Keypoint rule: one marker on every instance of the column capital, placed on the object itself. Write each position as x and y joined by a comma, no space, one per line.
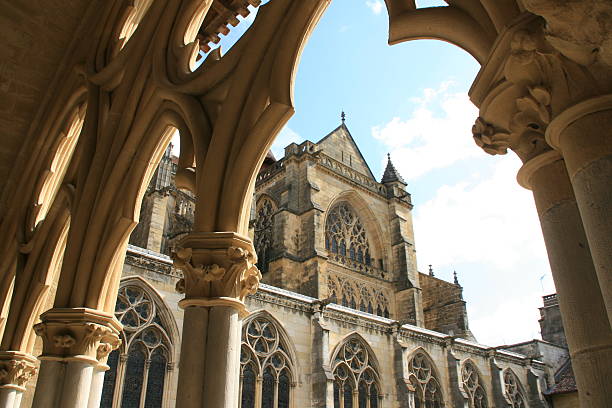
16,369
218,267
524,85
78,334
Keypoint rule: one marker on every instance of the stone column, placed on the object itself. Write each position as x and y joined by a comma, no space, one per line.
97,383
219,272
582,307
75,342
16,369
583,135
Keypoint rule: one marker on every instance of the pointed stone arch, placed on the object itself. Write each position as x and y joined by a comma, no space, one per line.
472,386
424,377
362,210
356,373
514,392
268,357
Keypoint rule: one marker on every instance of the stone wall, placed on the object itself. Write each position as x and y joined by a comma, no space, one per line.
443,307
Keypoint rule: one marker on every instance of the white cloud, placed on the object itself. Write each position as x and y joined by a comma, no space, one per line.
486,219
436,134
375,5
284,138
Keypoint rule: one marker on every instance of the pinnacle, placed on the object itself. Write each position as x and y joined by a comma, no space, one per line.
391,174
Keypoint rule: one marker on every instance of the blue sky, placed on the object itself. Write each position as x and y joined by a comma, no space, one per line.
411,100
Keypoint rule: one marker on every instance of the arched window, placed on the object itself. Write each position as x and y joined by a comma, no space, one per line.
427,390
345,235
138,377
264,224
513,390
356,380
472,385
266,369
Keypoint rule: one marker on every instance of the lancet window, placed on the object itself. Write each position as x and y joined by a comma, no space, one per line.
266,368
346,236
512,388
356,380
264,223
139,370
472,386
426,387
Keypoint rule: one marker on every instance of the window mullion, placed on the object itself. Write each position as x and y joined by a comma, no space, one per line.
145,380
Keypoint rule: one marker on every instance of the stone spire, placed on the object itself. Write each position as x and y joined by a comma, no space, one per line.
455,280
391,174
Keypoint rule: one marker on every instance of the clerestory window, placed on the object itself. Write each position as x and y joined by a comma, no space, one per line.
346,236
139,369
427,391
356,380
266,373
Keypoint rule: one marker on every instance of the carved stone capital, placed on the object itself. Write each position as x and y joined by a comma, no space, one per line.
217,265
16,369
523,86
78,334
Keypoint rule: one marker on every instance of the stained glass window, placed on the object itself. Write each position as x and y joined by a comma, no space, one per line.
132,384
156,379
109,380
263,226
427,391
343,231
264,348
354,374
148,348
513,390
472,385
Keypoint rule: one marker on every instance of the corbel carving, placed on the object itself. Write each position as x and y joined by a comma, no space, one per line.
490,139
16,369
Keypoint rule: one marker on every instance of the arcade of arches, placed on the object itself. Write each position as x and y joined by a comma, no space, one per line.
92,92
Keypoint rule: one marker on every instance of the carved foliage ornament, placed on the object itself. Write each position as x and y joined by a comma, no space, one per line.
89,340
16,372
238,280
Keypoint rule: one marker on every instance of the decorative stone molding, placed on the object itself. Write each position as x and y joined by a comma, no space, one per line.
216,266
16,369
78,334
524,84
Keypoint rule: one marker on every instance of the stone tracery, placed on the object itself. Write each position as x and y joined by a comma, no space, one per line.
264,224
358,295
472,386
266,368
139,375
427,389
345,235
356,380
513,391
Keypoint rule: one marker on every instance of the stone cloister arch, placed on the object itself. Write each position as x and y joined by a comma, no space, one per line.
543,92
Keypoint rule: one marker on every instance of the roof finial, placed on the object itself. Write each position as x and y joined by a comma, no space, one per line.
431,273
389,156
456,281
343,116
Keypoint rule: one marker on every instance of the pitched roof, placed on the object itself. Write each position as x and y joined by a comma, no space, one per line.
391,174
335,137
565,382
